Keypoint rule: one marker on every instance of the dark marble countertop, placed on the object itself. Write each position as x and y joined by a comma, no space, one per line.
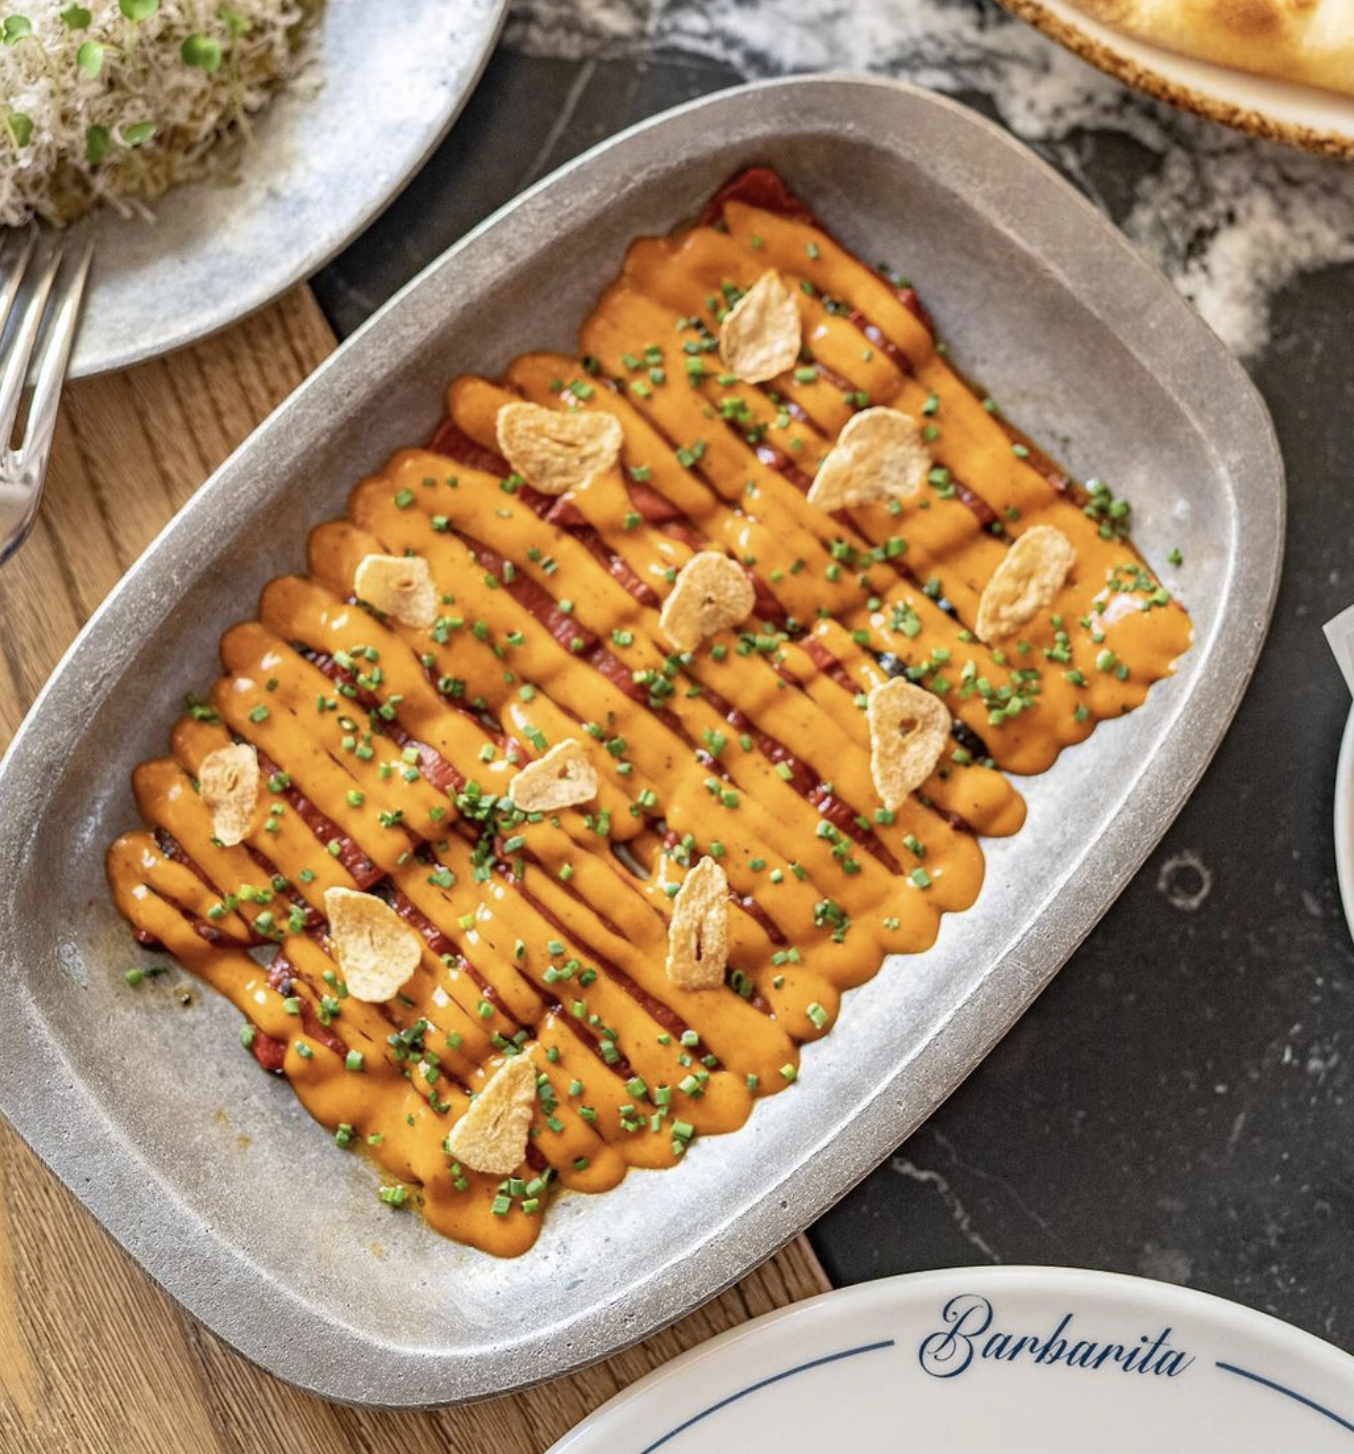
1178,1103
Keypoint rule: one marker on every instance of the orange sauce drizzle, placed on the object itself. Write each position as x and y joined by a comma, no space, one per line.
383,744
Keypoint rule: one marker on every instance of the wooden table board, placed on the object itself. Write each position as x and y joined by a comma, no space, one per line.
94,1357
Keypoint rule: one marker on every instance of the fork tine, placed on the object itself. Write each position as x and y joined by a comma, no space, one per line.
15,359
52,358
9,287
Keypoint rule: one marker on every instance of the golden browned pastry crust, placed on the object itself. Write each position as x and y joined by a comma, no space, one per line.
1310,42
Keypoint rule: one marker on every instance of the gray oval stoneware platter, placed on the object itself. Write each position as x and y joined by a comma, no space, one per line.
314,179
283,1249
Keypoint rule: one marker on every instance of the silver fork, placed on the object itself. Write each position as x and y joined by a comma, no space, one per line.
28,348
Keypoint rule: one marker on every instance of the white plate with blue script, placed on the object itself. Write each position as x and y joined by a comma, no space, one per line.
1026,1360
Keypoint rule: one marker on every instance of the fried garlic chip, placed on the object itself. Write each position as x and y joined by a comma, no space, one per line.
554,451
228,780
1025,583
492,1135
398,585
711,592
698,937
909,728
562,778
880,455
760,335
377,951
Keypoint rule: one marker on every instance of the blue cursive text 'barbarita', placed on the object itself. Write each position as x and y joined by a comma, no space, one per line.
969,1333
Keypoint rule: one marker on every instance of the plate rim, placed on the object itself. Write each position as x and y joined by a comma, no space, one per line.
974,1025
907,1288
1132,73
307,262
1342,809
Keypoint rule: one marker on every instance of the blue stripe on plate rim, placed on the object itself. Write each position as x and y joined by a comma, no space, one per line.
714,1408
765,1382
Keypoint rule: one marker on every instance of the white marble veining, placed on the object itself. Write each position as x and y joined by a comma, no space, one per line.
1229,219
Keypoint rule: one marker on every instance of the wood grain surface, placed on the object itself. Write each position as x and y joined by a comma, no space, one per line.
94,1357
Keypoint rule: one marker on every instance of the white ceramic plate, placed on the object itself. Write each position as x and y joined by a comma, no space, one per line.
1300,115
1344,821
1024,1360
333,149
